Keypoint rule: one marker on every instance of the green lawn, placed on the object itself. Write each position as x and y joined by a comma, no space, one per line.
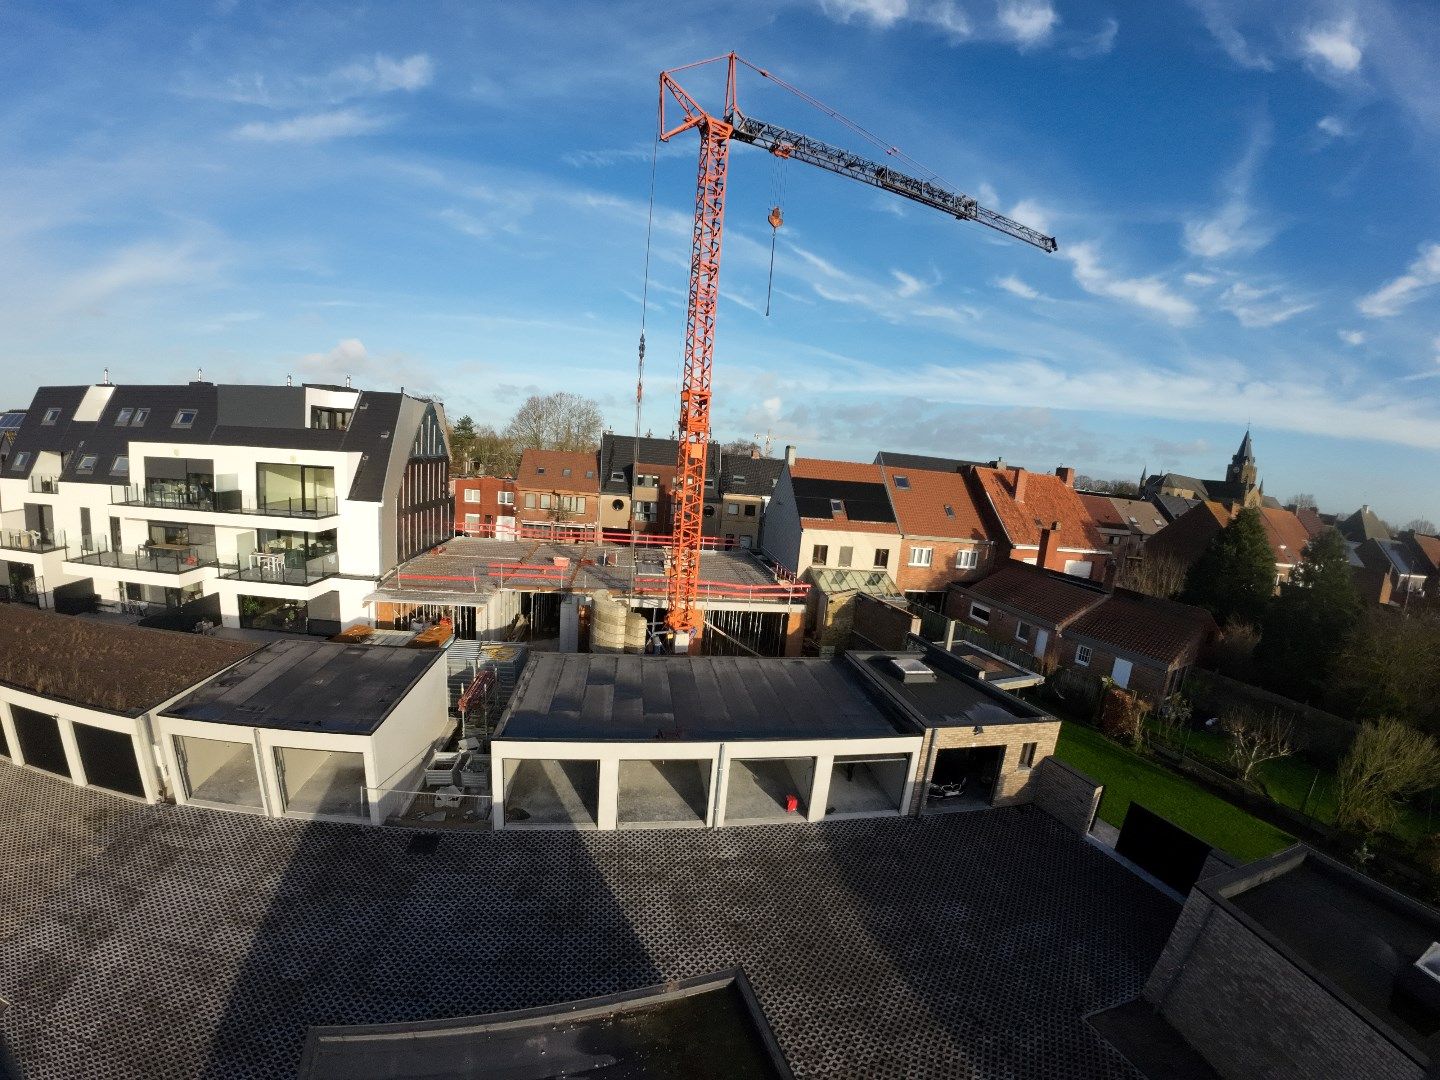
1130,778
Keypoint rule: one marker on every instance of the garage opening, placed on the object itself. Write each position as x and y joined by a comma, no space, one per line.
964,777
322,783
40,742
4,743
769,789
219,773
108,758
867,784
664,793
546,792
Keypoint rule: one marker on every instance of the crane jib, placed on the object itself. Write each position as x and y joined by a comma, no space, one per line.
789,144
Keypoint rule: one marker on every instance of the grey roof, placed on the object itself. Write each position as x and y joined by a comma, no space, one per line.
1363,525
954,698
1180,480
617,454
225,415
750,476
303,684
1401,558
892,460
589,698
1173,506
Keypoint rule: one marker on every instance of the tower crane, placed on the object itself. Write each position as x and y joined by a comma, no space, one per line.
716,133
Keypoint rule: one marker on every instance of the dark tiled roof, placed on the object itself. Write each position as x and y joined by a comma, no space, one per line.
860,502
1363,525
750,476
1310,518
617,454
1130,622
1048,597
1428,547
892,460
1172,506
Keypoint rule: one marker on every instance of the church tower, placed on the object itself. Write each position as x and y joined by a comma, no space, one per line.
1243,472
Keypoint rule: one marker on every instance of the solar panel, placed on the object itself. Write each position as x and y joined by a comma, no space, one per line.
11,420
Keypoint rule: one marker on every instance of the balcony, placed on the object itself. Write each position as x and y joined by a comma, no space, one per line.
44,485
283,568
35,541
151,558
224,502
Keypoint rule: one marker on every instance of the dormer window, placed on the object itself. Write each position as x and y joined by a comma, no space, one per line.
87,464
539,470
949,511
565,472
121,466
617,477
589,474
20,461
141,415
123,417
51,417
837,506
185,418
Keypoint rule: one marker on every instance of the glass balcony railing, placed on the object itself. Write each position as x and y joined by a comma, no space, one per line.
151,558
283,568
37,541
44,485
224,502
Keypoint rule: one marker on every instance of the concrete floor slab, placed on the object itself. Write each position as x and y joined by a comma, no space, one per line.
235,783
854,789
664,792
553,793
335,790
174,943
758,790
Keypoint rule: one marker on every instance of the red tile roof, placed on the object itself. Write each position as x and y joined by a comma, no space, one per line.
1310,518
1048,597
1104,512
1428,546
1186,537
555,462
1131,622
921,504
1287,534
824,469
1047,499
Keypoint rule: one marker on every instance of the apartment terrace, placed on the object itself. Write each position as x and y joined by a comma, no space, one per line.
155,558
276,569
35,541
225,502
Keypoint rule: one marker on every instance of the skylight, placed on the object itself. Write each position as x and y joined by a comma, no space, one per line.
837,506
949,510
902,482
123,417
87,464
184,418
50,417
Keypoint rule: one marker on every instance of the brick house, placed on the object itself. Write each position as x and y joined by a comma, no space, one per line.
558,488
485,506
637,484
747,484
1140,642
1392,571
1186,538
1040,519
944,537
831,513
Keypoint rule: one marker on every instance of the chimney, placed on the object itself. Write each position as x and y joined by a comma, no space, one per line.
789,455
1050,548
1018,483
1066,475
754,453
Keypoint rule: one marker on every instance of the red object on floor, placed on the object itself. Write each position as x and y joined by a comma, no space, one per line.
792,803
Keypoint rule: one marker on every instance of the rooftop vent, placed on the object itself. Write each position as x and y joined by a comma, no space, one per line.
910,670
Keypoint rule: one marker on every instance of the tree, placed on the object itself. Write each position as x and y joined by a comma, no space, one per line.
1387,762
1423,526
1390,667
740,448
1125,489
1302,502
559,421
493,453
1153,574
462,445
1310,622
1256,738
1234,578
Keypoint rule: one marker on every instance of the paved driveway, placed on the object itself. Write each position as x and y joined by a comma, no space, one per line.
158,942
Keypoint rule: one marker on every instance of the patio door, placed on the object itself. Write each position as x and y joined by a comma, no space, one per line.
1042,638
1121,673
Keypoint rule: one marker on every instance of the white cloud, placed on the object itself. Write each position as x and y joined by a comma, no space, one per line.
1333,126
1232,229
1026,22
1013,284
1352,337
909,284
1031,213
1149,293
313,127
1222,28
1260,308
374,75
1100,43
878,12
348,357
1404,290
382,74
1337,47
1200,281
137,267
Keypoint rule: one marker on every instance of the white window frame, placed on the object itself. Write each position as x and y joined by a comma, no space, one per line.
505,498
1023,631
980,613
967,559
180,420
1083,655
472,495
921,556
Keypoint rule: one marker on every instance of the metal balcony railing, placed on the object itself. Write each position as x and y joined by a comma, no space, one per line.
224,502
37,541
150,558
44,485
282,568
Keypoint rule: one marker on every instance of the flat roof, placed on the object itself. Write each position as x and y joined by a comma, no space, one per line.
954,697
107,666
304,684
683,1028
576,697
1354,932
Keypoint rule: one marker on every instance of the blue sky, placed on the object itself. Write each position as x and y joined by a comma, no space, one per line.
452,197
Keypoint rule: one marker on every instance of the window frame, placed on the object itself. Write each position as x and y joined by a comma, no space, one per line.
974,617
86,464
51,417
926,562
967,559
845,557
1023,631
505,498
472,495
181,422
1027,755
122,418
120,465
819,554
1089,655
19,462
141,415
882,559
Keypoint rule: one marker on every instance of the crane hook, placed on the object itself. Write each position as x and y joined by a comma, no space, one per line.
776,218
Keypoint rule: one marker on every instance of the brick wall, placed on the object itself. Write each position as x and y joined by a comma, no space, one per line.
881,625
1002,625
1014,784
1147,679
1252,1013
941,571
1066,794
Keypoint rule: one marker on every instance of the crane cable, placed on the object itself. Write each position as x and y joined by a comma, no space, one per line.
640,364
776,219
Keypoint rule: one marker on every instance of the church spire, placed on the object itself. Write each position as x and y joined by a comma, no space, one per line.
1246,452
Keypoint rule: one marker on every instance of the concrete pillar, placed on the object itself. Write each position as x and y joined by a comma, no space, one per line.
607,810
795,633
820,788
721,790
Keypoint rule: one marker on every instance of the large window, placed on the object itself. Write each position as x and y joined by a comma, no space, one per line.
882,558
40,742
109,759
921,556
295,488
505,498
819,554
330,419
472,495
967,559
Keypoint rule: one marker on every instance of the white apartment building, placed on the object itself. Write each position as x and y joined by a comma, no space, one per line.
275,507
